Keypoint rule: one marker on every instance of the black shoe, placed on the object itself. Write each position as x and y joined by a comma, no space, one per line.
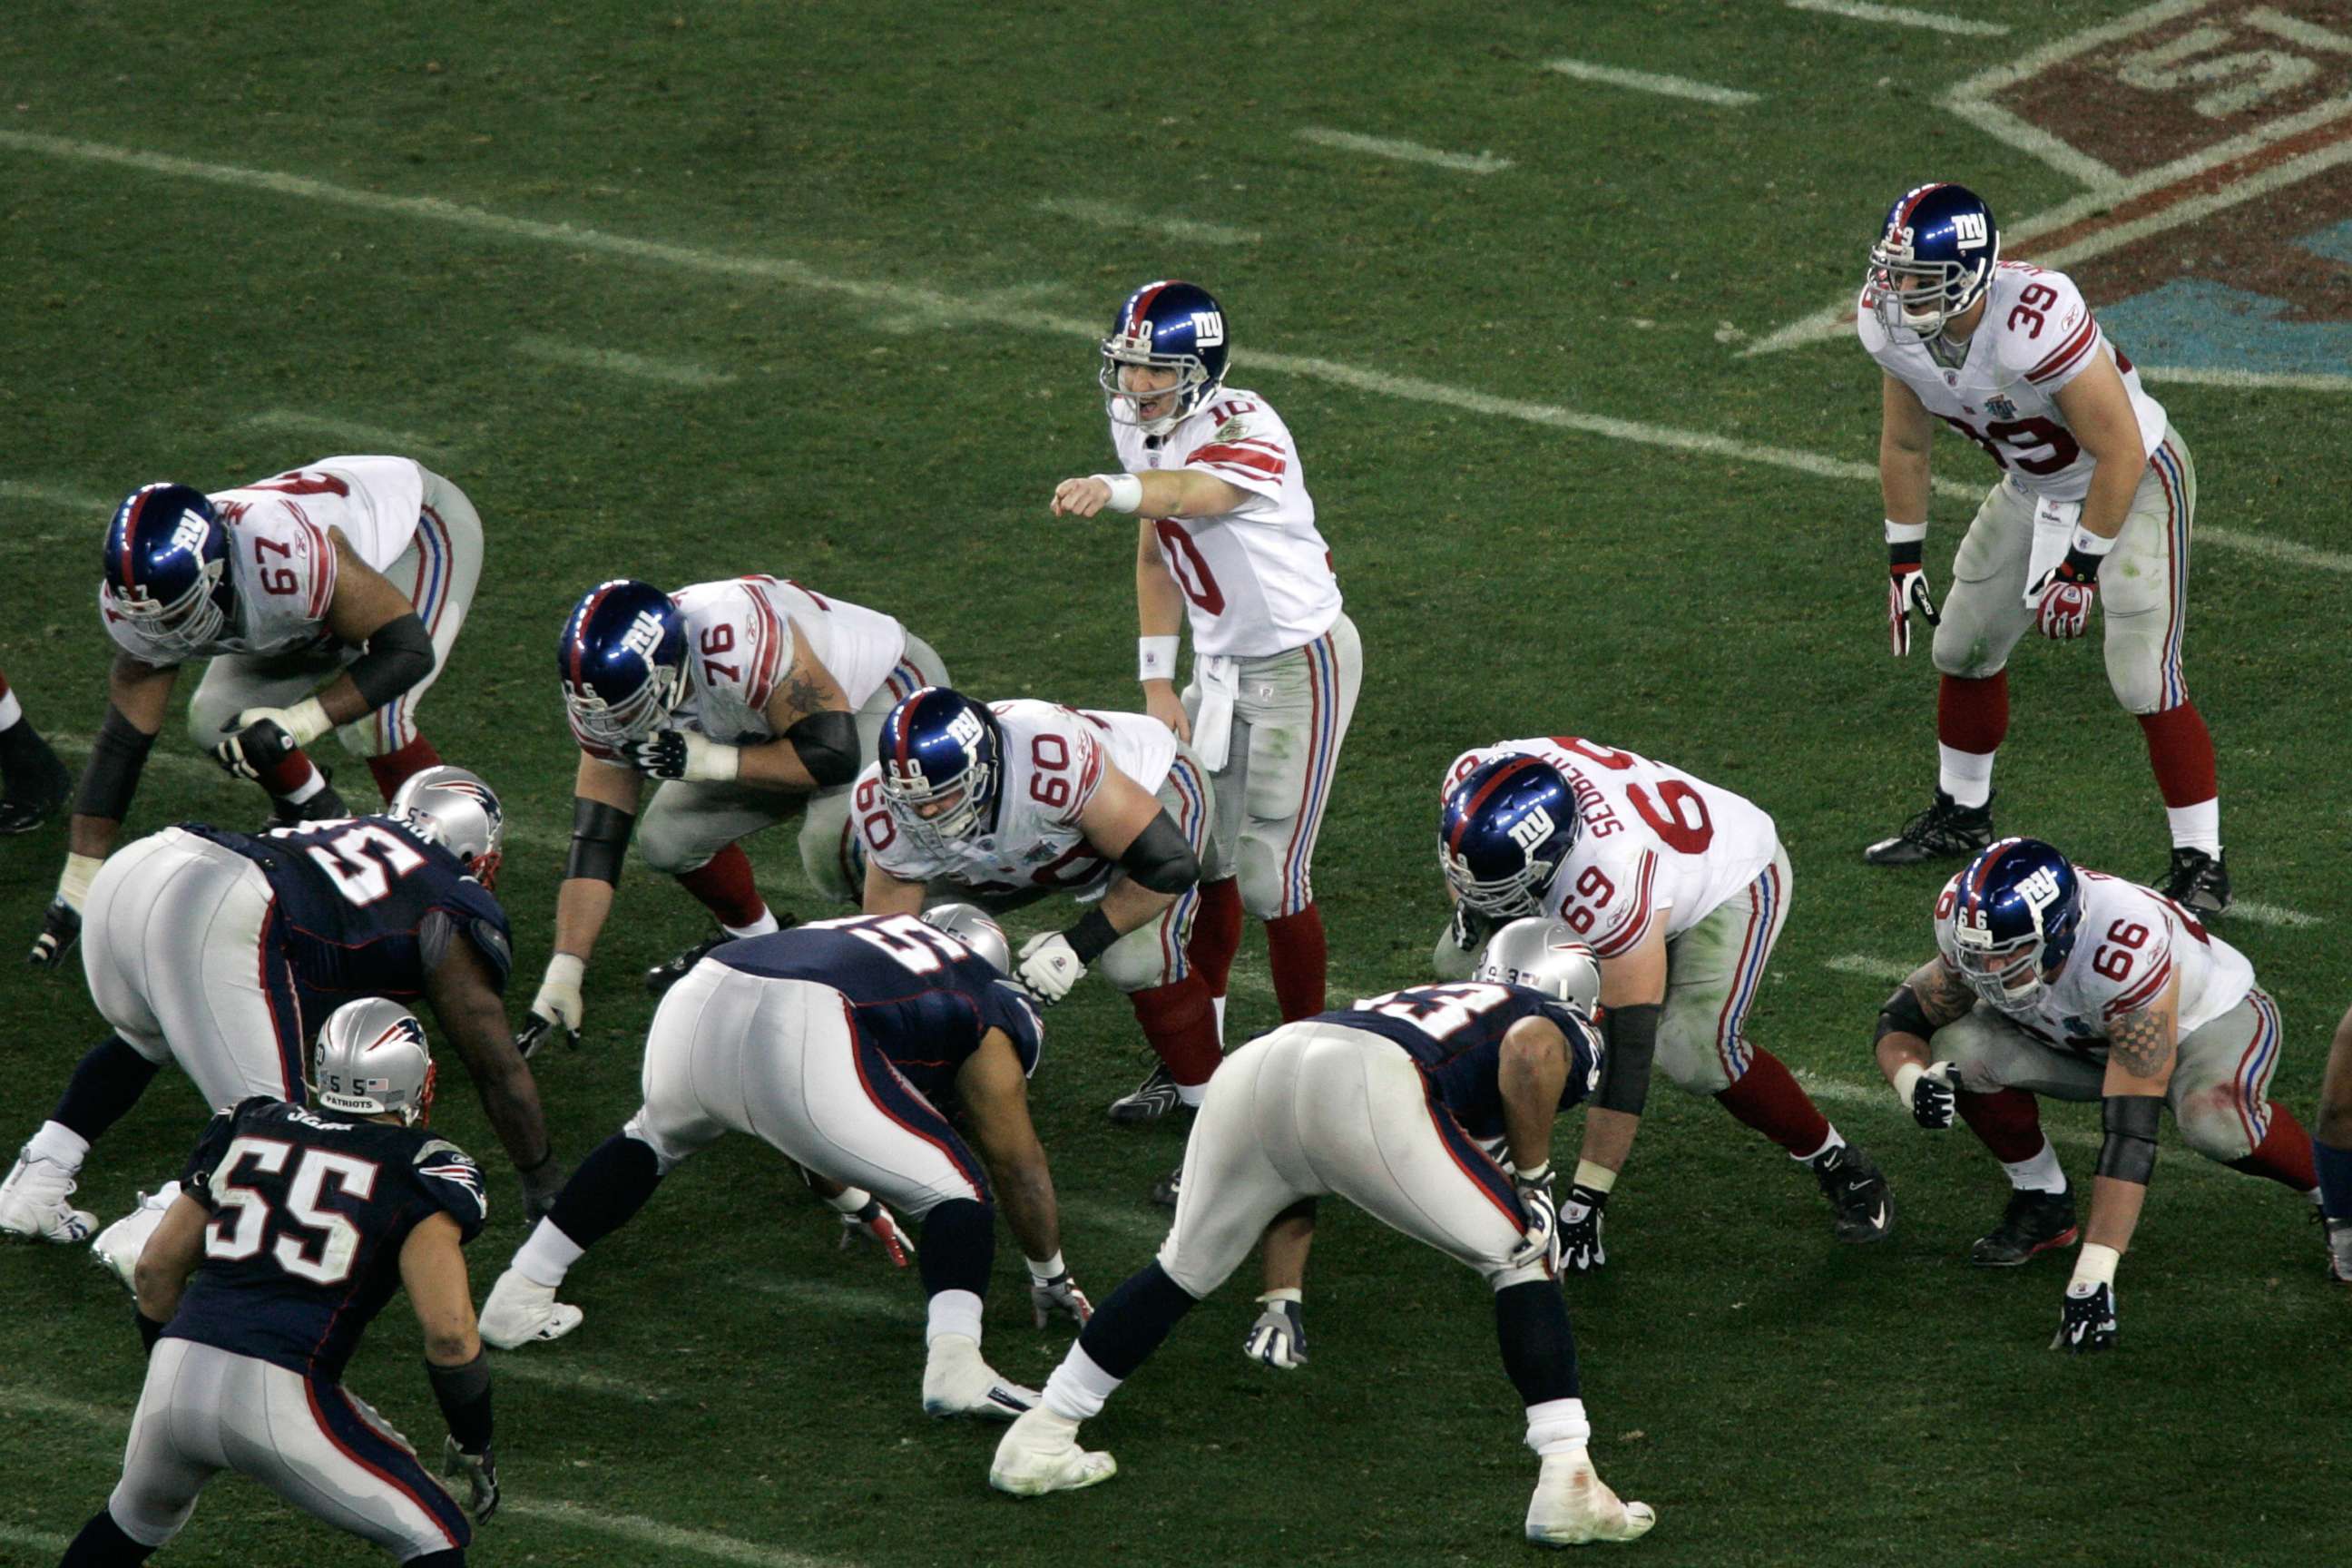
2035,1222
1154,1098
1945,831
324,806
2198,883
1165,1190
1856,1189
673,969
33,782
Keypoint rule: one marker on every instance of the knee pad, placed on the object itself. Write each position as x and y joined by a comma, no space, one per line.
2135,669
833,852
1964,652
1258,875
2212,1121
639,1128
1687,1055
1136,962
209,718
664,846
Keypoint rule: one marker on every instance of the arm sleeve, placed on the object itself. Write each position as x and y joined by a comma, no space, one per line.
1249,451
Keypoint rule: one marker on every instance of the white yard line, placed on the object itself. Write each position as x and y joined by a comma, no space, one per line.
882,1300
1110,214
1134,1217
1868,967
1903,17
1972,98
616,362
2270,915
580,1380
1654,81
2278,176
59,495
2296,30
1404,151
654,1533
354,435
2245,380
2271,549
32,1402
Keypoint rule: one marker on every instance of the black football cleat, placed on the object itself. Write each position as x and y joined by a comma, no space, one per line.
2198,883
673,969
2035,1222
1154,1098
1856,1189
1945,831
33,782
1165,1191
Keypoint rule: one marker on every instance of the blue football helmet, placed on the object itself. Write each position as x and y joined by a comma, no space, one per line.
1503,832
167,568
2016,912
1169,325
941,759
1935,259
621,661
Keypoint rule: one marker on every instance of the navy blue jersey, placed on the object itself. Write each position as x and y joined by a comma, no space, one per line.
309,1217
916,995
1455,1033
366,907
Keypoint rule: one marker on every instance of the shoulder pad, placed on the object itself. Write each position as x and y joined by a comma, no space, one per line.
452,1180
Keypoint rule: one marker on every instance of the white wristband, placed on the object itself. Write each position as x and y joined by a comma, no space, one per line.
1907,1079
1289,1293
2091,544
1155,658
1126,491
1600,1178
849,1200
565,969
1051,1269
1904,532
2095,1264
73,882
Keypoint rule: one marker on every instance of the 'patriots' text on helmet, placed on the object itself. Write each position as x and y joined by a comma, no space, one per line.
1546,956
1168,326
973,926
373,1061
167,569
621,661
2016,910
1503,832
454,808
941,758
1934,259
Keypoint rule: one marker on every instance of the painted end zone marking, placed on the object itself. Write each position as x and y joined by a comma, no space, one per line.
1651,81
359,438
614,362
1110,214
1404,151
1903,17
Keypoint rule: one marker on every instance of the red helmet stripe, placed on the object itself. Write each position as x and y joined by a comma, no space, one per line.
580,637
130,536
1142,309
1912,203
1502,776
907,732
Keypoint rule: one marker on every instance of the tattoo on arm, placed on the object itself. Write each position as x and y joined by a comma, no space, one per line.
1946,995
801,694
2142,1043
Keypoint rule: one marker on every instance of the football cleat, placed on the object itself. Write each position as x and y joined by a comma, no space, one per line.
118,1247
1040,1454
2339,1249
2035,1222
1856,1189
2198,883
1154,1098
33,782
521,1312
33,1204
1574,1507
1947,830
673,969
1169,1189
957,1382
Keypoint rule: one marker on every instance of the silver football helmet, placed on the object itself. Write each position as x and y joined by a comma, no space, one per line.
455,809
1546,955
373,1061
973,926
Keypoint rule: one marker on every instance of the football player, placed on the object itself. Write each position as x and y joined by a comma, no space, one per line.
210,948
354,571
839,1043
2051,979
1228,541
33,782
2332,1149
292,1230
1682,888
1382,1104
745,701
2095,504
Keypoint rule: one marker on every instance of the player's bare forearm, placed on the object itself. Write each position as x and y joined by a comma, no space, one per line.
1158,600
2114,1212
1025,1191
1943,997
1186,492
1609,1137
886,895
170,1255
2335,1124
1131,906
141,693
432,1272
773,764
2113,484
1531,1072
2098,411
1905,439
1287,1242
475,1021
582,907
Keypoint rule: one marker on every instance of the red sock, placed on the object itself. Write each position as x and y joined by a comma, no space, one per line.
2008,1121
2284,1154
1769,1100
726,889
392,768
290,774
1972,716
2180,753
1295,952
1181,1024
1217,934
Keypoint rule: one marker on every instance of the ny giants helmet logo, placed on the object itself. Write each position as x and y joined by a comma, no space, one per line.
965,730
1532,830
1208,327
1970,228
190,533
644,635
2040,890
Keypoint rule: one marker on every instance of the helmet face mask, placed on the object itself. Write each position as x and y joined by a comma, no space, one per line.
939,767
621,660
1169,329
166,570
1933,262
373,1059
1502,833
454,808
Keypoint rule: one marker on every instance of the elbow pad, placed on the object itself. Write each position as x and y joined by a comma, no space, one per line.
399,655
600,835
465,1396
110,777
826,744
1902,1013
1161,859
2128,1154
1633,1036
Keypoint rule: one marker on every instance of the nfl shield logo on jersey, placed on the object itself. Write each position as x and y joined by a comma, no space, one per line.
2000,408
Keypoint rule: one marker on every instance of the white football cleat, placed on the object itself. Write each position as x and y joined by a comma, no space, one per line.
520,1310
33,1202
956,1382
1574,1507
118,1247
1040,1454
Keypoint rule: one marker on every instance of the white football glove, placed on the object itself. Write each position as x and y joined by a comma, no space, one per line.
1278,1338
558,1005
1049,967
1052,1291
1541,1241
261,738
864,1214
303,723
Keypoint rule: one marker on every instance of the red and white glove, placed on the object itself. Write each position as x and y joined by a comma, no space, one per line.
1907,584
2062,597
863,1215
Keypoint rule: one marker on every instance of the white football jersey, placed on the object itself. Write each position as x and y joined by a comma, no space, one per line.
739,645
1053,764
2132,942
1256,581
281,567
1654,838
2037,335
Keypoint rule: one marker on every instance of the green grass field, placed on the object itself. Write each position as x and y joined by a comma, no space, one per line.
238,239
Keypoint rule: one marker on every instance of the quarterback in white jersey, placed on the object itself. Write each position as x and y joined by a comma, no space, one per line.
2050,979
354,571
2012,357
1228,542
1681,887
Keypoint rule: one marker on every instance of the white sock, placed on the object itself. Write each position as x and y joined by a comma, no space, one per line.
546,1255
1216,1002
761,927
309,786
2042,1174
953,1312
58,1142
1191,1094
2195,827
1078,1388
1966,776
12,711
1557,1426
1834,1140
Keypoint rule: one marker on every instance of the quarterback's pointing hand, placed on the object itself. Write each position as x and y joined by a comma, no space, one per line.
1080,498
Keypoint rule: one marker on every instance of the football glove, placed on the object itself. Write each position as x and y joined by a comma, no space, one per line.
1049,967
1906,591
557,1007
1539,1243
2062,597
540,1184
687,756
1933,1102
262,738
62,923
863,1215
1579,1228
2087,1322
1278,1338
480,1472
1057,1294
